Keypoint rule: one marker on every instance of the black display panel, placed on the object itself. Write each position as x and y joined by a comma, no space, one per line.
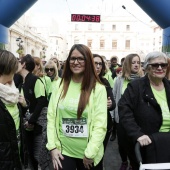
85,18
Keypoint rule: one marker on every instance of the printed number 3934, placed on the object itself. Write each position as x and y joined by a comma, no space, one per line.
74,129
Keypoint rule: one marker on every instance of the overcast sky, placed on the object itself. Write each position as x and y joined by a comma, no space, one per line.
67,7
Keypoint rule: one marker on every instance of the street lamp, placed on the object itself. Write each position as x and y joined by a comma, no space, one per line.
43,51
20,46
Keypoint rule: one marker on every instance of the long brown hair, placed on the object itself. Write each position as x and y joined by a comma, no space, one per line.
168,69
103,65
89,79
38,62
126,71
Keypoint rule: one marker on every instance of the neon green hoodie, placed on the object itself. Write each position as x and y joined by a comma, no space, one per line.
96,123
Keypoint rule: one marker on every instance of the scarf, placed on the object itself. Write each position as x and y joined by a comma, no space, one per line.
133,76
9,94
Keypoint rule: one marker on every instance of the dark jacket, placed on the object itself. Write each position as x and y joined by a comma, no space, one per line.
109,94
112,69
9,153
17,80
35,104
139,111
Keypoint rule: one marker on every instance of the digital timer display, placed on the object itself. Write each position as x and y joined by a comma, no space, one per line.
85,18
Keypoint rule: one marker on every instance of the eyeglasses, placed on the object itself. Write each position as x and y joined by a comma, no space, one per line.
156,65
79,60
96,64
49,69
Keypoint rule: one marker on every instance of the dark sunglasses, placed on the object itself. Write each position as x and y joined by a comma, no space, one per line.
49,69
156,65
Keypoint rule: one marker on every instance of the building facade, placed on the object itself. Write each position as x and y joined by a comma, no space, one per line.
24,39
115,35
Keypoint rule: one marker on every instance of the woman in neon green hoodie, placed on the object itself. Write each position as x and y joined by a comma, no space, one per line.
77,114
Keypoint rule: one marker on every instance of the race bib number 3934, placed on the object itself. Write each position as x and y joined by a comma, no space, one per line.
73,127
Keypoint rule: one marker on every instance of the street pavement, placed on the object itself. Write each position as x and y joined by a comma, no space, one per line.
112,158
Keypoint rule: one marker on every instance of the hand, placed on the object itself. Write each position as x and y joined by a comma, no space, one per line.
28,126
22,101
55,155
88,163
144,140
109,102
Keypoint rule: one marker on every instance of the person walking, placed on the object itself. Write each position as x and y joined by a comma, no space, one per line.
77,114
145,105
168,69
11,128
44,158
51,71
100,69
131,71
33,90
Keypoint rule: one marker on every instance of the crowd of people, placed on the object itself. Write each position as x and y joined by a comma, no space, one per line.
61,116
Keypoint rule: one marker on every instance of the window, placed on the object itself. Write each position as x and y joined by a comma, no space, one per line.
32,52
56,42
90,27
102,44
102,26
154,30
113,27
127,27
160,40
76,27
76,41
89,43
154,41
127,44
114,44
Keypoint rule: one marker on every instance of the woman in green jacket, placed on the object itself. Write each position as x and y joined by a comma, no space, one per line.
77,114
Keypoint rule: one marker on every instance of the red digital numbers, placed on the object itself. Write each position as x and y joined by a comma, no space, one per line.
85,18
98,18
88,18
93,19
73,17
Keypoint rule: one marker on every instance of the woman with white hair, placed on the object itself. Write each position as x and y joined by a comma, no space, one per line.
51,71
144,108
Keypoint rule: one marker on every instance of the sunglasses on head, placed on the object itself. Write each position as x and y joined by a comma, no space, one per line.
49,69
156,65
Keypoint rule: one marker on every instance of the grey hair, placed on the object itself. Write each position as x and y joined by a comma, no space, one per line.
152,55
